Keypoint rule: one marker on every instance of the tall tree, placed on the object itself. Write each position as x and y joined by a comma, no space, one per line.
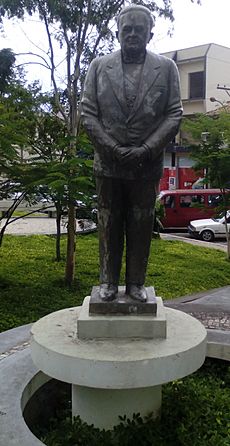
7,60
211,151
18,106
82,28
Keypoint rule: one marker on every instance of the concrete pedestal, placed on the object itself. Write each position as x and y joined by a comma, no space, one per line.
96,326
102,407
111,377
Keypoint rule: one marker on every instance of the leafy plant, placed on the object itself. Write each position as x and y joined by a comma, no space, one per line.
212,154
195,412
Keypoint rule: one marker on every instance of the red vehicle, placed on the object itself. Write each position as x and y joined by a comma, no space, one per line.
183,205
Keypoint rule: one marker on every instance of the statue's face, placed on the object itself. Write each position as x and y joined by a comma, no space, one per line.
134,32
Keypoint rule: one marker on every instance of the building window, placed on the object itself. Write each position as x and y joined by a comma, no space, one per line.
196,85
167,160
185,161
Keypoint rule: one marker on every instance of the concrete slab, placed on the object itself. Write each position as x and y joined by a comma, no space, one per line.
16,337
42,226
15,372
216,300
132,325
218,345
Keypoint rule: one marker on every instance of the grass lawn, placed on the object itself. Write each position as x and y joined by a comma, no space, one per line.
32,283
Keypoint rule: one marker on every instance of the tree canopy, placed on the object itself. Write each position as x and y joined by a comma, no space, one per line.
211,146
82,29
7,60
211,151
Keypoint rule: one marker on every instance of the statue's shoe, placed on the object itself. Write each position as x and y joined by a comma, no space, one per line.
137,292
108,292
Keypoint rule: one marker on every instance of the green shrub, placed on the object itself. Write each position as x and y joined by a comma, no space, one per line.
195,412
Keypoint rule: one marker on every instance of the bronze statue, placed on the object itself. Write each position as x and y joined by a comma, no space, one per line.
131,110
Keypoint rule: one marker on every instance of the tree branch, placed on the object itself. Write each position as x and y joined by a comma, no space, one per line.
30,53
53,67
32,63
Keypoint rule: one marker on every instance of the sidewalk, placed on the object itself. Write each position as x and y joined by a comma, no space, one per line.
41,226
220,246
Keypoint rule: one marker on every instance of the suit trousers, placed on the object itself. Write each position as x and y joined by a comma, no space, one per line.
125,211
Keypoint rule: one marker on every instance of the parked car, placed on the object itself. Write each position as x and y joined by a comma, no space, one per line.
183,205
210,228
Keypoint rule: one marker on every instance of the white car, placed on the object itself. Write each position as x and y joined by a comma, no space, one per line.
210,228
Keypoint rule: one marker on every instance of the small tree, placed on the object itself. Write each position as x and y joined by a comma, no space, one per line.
213,154
17,107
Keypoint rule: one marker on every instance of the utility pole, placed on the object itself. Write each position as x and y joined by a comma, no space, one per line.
223,87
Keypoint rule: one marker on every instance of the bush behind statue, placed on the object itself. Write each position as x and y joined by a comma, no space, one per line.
195,412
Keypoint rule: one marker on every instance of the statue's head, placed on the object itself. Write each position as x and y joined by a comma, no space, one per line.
134,28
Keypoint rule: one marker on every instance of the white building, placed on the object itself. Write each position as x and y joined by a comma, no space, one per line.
204,73
203,70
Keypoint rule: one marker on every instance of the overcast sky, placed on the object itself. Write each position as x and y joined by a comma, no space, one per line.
194,25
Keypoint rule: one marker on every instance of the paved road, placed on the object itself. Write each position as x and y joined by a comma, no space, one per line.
38,225
220,244
33,225
221,241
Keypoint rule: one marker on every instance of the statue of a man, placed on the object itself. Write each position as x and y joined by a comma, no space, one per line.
131,110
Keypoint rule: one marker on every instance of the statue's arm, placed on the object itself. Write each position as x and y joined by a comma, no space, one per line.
90,112
169,127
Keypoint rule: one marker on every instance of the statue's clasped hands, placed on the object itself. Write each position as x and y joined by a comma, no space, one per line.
131,156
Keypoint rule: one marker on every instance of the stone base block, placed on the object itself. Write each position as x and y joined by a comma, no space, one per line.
98,326
123,304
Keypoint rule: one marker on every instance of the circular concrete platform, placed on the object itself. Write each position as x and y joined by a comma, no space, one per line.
115,376
117,363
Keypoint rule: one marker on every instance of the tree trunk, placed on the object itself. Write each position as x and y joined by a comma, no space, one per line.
71,245
225,201
9,214
228,246
58,225
2,232
227,237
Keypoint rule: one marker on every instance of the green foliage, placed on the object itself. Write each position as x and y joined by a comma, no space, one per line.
195,412
83,26
213,153
49,172
16,111
32,285
7,60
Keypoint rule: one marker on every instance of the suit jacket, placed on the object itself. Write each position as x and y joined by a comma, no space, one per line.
154,119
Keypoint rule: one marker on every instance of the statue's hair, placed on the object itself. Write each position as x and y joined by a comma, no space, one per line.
136,8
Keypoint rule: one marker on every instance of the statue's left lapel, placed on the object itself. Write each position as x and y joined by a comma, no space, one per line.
150,73
114,72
